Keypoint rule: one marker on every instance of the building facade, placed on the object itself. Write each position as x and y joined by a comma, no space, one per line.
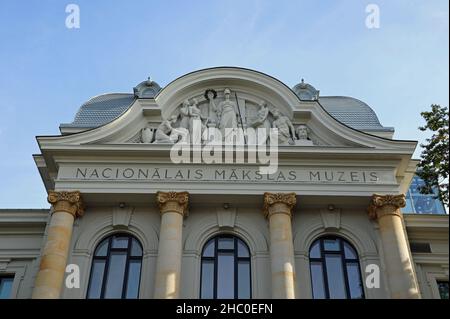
132,218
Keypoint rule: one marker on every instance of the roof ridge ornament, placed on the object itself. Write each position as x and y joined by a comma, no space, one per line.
147,89
305,91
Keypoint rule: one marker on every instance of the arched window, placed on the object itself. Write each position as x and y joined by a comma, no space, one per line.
116,268
335,271
225,272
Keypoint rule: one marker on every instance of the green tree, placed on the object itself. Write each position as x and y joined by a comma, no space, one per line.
434,166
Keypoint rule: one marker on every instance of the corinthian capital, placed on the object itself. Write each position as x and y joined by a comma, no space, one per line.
173,202
69,202
281,203
381,205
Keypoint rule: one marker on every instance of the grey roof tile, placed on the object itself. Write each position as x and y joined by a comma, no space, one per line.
352,112
105,108
101,109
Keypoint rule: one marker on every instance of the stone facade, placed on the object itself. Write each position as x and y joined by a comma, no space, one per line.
331,180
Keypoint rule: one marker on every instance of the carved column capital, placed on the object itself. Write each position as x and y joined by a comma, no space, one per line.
381,205
69,202
279,203
173,202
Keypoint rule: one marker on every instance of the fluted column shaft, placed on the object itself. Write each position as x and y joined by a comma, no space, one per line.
66,206
173,207
277,208
399,266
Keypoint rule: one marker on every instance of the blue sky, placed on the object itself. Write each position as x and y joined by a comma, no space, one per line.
47,71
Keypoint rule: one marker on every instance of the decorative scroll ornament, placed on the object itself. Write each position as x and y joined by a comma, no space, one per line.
381,205
271,199
173,202
69,202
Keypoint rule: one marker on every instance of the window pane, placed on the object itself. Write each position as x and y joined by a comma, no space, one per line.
225,275
116,273
102,249
207,279
354,282
208,251
120,242
136,250
315,250
134,273
244,280
95,286
443,289
317,280
5,287
335,276
331,244
350,253
226,243
242,249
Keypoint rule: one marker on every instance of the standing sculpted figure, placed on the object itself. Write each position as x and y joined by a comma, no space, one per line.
262,121
226,112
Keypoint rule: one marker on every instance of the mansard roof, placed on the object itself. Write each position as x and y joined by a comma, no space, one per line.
104,108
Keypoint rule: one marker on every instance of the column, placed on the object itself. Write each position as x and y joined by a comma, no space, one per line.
278,210
399,268
66,206
173,207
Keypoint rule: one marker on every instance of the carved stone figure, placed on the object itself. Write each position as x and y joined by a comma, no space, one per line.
302,134
184,114
146,135
286,130
163,131
226,113
167,134
262,121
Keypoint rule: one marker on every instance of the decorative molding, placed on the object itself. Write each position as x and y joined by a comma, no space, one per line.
173,202
4,263
69,202
331,219
226,218
382,205
121,216
287,201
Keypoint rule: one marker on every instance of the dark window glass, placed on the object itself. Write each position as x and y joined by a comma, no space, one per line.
350,253
226,243
120,242
335,276
225,269
208,251
331,244
242,249
419,203
243,279
315,250
335,270
207,279
354,284
443,289
6,283
95,286
102,249
317,280
116,274
134,274
116,268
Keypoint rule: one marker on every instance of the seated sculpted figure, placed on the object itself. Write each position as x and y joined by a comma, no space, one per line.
286,131
167,134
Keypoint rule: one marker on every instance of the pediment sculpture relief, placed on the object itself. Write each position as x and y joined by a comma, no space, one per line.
225,111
